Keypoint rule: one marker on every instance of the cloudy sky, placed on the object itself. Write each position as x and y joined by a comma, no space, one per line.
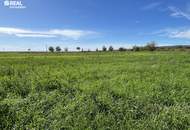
93,23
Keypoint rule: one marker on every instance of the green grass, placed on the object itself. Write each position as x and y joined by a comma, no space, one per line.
95,91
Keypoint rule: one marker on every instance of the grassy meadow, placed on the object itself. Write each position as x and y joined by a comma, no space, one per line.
95,91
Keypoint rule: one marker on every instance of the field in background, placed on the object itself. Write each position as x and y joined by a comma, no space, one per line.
97,90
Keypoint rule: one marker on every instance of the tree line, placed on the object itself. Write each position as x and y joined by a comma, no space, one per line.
151,46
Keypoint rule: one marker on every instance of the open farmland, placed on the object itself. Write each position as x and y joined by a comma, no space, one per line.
95,90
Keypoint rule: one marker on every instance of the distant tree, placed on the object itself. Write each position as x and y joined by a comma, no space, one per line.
29,49
136,48
97,49
151,46
104,48
89,50
51,49
82,50
58,49
66,49
122,49
111,48
78,48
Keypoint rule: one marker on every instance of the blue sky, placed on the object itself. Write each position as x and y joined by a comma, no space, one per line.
91,24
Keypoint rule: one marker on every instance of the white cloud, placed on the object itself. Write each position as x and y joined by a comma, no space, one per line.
68,33
185,34
175,12
180,33
12,31
151,6
35,35
75,34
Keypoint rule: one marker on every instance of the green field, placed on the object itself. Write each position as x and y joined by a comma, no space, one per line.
95,91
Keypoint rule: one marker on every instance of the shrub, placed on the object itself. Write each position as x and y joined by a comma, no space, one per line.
66,50
151,46
58,49
78,48
111,48
51,49
104,48
122,49
136,48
